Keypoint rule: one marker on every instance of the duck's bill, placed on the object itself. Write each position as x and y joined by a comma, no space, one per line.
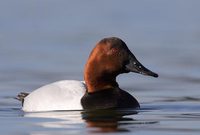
135,66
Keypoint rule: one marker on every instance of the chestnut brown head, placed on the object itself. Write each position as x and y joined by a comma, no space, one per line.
109,58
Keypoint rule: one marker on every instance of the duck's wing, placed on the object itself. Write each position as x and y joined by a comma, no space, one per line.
62,95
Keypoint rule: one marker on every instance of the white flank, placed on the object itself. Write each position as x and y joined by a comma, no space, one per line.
61,95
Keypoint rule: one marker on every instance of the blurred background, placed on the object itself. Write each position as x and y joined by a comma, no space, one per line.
42,41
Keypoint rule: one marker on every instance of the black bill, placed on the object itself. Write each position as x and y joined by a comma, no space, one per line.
135,66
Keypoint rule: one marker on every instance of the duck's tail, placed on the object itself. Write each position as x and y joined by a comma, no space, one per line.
21,96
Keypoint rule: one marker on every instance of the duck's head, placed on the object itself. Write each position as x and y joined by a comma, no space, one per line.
109,58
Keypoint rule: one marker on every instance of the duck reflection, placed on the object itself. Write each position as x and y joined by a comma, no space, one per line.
108,120
97,121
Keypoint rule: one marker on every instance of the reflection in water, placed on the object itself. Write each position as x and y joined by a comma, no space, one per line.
96,121
160,119
107,120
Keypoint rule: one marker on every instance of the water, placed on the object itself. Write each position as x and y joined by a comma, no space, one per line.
46,41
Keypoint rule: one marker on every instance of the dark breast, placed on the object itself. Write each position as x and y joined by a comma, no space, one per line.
109,98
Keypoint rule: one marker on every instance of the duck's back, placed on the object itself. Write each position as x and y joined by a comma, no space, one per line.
62,95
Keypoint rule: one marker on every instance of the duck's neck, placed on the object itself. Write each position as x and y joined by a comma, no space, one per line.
97,79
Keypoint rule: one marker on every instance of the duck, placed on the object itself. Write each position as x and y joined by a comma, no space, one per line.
99,90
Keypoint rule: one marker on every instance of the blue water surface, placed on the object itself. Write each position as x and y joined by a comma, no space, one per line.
45,41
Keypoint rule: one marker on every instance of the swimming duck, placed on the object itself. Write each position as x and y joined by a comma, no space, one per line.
109,58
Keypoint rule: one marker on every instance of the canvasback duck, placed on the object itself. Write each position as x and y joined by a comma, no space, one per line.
108,59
